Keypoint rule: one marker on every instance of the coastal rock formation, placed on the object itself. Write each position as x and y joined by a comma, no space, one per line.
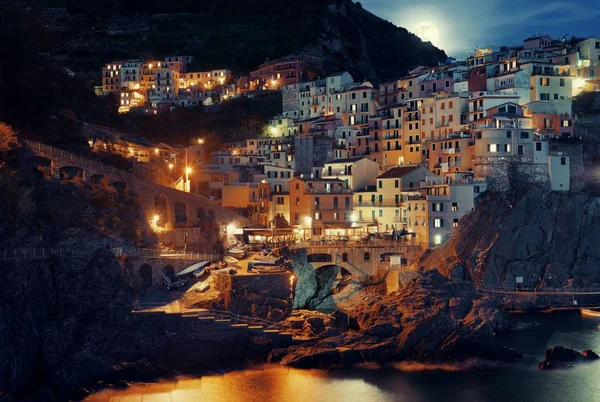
66,324
546,239
560,357
430,319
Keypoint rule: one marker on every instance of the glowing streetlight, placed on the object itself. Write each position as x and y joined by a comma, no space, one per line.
188,170
155,219
308,220
156,151
171,166
200,141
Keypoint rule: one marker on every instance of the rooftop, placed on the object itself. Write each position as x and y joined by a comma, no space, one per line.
398,172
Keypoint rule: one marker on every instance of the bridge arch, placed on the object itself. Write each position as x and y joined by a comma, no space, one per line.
345,269
98,179
71,173
169,270
145,272
120,185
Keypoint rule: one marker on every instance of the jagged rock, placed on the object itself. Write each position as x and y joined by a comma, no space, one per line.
560,357
429,319
275,314
543,239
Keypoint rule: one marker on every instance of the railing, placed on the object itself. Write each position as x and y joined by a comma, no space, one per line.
32,253
80,161
175,255
352,244
527,290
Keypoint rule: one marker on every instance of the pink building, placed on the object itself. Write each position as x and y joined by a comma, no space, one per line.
272,75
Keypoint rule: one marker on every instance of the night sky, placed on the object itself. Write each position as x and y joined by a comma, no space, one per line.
465,24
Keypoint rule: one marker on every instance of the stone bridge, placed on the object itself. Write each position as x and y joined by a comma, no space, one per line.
147,265
175,208
360,259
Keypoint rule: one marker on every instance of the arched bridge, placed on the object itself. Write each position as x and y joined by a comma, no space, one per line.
175,208
361,259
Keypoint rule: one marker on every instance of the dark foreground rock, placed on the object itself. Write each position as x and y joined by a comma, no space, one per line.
67,328
560,357
431,319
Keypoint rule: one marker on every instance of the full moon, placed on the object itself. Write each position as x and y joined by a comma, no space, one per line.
427,31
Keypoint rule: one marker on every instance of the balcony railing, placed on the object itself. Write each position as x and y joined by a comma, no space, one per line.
454,150
328,191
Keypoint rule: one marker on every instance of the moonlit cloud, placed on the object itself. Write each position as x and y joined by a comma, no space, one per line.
464,24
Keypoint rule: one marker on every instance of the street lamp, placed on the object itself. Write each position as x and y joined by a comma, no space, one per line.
188,170
200,141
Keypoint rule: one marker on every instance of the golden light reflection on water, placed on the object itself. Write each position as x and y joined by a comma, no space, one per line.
271,383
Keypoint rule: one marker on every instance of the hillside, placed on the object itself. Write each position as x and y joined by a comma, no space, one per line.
549,239
238,34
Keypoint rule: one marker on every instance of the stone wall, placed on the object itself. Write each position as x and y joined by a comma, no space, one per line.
267,296
194,239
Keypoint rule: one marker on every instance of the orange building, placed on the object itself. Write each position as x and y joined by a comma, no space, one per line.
321,207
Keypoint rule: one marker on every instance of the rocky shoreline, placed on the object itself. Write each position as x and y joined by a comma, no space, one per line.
431,319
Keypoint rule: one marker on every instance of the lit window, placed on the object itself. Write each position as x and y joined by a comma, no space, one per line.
438,223
455,222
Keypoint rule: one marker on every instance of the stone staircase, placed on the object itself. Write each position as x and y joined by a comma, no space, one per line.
214,319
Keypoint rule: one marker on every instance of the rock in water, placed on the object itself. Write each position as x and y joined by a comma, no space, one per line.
431,319
560,357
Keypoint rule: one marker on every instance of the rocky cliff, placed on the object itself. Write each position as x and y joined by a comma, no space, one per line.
430,319
66,327
548,239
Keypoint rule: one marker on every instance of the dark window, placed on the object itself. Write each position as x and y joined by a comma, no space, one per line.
563,161
367,257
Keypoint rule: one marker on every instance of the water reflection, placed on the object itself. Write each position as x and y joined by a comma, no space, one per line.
405,382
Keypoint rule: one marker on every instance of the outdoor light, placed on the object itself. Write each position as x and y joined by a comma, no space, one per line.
353,218
188,170
200,141
156,151
155,219
171,166
308,220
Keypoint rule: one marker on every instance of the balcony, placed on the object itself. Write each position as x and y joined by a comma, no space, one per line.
328,191
384,204
452,150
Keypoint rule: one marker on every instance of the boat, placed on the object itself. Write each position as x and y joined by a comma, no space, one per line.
199,272
170,284
268,269
202,287
589,312
265,258
237,252
230,260
192,268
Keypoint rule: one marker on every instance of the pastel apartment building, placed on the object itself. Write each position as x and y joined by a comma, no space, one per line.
274,74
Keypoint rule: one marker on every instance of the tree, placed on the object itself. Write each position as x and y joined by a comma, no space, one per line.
8,138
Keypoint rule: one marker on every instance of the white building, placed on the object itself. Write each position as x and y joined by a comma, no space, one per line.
357,172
